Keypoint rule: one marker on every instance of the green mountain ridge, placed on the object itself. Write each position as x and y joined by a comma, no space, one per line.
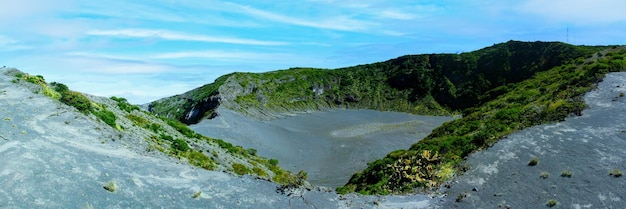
498,89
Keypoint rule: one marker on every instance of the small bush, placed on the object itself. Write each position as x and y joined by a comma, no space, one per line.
76,100
566,173
155,127
107,117
240,169
199,159
111,187
533,161
180,145
123,104
59,87
552,203
137,120
259,172
197,194
544,175
273,162
615,173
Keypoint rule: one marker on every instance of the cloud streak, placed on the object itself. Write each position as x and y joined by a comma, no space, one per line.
175,36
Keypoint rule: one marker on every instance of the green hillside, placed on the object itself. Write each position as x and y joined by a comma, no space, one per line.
498,90
427,84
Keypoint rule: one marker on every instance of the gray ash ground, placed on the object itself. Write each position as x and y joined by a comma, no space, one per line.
588,146
330,145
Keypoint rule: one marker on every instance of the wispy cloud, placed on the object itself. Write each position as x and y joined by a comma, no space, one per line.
175,36
341,22
577,11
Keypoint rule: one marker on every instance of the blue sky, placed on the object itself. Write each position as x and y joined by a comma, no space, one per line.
147,49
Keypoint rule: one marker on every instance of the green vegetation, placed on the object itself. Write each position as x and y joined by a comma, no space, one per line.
566,173
179,145
615,173
552,203
547,96
123,104
76,100
106,116
110,186
240,169
199,159
544,175
533,161
138,121
196,194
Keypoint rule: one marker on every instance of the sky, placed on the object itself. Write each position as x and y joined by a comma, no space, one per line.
144,50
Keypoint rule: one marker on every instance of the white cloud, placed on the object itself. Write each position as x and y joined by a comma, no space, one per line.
5,40
394,14
344,22
170,35
577,11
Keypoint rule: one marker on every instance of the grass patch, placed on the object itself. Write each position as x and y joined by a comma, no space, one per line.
137,120
240,169
616,173
566,173
552,203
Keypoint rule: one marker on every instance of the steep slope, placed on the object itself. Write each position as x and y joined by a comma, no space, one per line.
546,97
428,84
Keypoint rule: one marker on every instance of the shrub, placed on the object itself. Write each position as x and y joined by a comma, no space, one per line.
76,100
201,160
179,145
155,127
110,186
197,194
615,173
273,162
240,169
59,87
552,203
123,104
107,117
533,161
259,172
137,120
566,173
544,175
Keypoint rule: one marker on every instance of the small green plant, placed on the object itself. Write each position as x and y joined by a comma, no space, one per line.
110,186
615,173
197,194
179,145
566,173
76,100
544,175
106,116
533,161
240,169
552,203
461,196
621,94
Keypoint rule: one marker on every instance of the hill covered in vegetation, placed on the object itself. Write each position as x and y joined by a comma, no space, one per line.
498,90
